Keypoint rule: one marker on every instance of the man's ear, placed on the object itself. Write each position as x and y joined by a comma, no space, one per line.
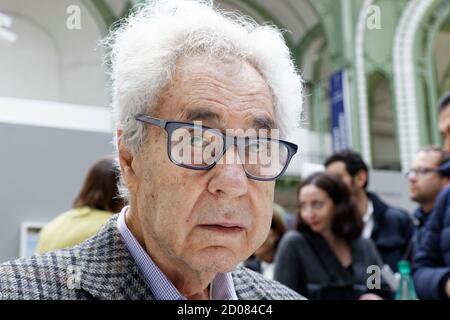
446,181
126,164
360,179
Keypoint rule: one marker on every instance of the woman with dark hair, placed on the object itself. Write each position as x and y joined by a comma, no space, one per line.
97,200
326,258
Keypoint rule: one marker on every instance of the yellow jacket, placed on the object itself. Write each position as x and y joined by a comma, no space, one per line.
71,228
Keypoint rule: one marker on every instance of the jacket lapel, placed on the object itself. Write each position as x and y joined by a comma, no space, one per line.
379,209
108,271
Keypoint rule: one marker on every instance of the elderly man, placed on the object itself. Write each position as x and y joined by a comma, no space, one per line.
425,183
199,97
431,268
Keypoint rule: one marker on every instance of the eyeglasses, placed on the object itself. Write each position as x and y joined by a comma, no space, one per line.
197,147
420,172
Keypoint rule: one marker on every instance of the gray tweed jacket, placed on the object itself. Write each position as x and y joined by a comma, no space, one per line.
102,268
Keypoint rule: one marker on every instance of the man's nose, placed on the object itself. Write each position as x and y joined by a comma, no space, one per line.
229,178
412,177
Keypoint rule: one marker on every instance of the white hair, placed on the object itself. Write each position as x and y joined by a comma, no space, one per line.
145,47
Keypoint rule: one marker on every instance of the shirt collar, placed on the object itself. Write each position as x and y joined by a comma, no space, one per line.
221,288
369,212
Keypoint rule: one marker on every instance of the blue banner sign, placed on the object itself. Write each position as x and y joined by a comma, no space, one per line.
338,116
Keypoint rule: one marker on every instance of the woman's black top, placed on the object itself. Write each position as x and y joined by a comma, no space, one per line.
306,263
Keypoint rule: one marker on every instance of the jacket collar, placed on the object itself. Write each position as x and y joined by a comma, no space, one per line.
379,209
420,217
108,270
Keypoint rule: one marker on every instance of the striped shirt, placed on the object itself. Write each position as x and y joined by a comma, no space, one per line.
221,288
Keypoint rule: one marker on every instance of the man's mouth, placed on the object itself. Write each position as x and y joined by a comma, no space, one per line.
225,227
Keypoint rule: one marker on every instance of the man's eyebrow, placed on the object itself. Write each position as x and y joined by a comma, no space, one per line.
206,114
202,114
263,122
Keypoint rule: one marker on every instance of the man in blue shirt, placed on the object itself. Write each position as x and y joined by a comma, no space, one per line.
425,183
431,267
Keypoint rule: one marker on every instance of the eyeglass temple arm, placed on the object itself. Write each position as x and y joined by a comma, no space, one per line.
151,120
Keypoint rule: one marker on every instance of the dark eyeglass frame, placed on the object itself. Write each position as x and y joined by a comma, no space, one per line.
169,126
421,172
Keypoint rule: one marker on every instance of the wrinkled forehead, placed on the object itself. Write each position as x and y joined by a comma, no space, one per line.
223,93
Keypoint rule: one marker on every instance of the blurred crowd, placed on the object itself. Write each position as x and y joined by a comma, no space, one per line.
343,230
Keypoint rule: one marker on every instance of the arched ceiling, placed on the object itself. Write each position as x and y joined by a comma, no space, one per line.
42,33
296,16
78,49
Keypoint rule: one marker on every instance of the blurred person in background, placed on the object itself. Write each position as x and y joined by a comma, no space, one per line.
444,120
326,257
262,260
390,228
289,218
95,204
431,267
425,183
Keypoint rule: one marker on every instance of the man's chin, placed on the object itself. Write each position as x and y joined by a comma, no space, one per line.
216,260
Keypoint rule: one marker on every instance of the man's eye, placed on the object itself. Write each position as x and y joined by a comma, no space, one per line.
198,142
